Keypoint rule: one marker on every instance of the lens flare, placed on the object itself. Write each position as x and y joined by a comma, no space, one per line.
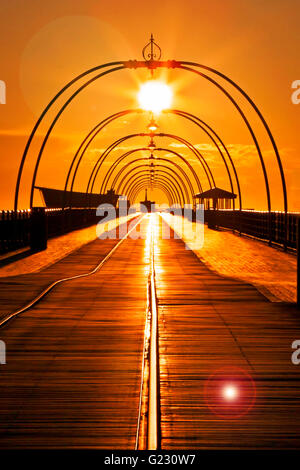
155,96
230,392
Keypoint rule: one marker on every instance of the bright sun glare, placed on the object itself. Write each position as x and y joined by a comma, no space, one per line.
230,392
155,96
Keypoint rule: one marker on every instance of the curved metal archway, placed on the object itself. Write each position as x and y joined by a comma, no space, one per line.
162,174
109,149
155,170
154,185
157,149
124,168
191,117
138,189
151,65
161,179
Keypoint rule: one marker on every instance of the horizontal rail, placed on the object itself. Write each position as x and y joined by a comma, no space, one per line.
275,227
19,228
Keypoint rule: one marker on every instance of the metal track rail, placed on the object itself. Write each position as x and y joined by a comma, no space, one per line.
148,433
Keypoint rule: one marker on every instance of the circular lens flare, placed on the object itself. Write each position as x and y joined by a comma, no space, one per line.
230,392
155,96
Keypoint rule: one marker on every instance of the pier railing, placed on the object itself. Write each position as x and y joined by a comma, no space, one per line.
14,230
32,228
275,227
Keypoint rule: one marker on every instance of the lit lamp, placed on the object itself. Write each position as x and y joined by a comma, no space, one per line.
152,126
151,145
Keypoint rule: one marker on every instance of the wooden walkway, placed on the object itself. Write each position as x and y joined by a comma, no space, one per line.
73,371
210,326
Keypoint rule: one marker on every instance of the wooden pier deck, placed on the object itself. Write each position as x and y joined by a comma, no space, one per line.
74,361
209,324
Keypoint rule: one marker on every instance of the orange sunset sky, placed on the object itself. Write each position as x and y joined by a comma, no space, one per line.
46,44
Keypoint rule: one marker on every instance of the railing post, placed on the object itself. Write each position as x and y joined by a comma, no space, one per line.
38,229
285,231
270,227
298,262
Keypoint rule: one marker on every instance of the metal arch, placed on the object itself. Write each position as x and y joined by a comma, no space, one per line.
43,114
172,187
157,160
105,154
184,65
152,65
196,120
248,126
102,157
155,185
195,151
134,188
160,172
111,118
166,179
177,112
56,119
114,165
160,180
118,189
198,183
89,139
262,119
100,125
190,146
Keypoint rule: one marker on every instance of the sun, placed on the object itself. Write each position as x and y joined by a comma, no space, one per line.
155,96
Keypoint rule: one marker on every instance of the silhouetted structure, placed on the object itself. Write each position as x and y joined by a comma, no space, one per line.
220,198
56,198
147,204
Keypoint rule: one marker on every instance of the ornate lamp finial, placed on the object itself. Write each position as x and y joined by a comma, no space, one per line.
152,51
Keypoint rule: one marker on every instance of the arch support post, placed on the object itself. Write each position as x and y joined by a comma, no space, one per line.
38,229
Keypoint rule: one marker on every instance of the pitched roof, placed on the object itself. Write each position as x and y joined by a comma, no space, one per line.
216,193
